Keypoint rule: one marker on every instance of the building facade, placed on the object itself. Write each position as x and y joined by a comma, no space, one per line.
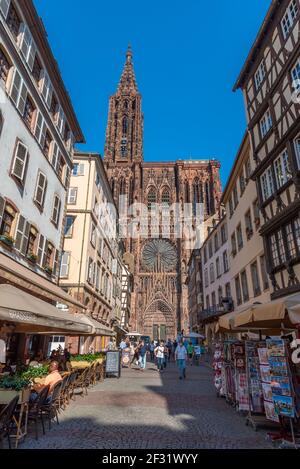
195,289
91,267
246,254
38,128
270,84
216,275
160,295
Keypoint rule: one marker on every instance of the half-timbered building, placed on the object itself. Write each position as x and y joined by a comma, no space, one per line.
270,81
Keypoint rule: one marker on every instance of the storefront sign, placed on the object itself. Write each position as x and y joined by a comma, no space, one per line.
22,316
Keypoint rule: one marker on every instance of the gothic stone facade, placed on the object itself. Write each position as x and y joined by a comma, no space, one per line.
159,260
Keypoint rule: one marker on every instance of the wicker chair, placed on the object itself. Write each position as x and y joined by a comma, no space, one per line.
62,393
6,419
82,383
70,387
35,411
51,410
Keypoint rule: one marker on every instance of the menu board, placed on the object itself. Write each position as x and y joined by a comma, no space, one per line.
113,362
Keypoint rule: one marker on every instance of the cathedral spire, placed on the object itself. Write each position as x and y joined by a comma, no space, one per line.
127,84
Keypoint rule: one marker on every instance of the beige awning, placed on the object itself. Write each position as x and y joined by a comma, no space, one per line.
97,327
29,314
281,313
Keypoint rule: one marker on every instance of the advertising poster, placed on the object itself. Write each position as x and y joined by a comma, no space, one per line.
265,373
278,366
281,386
270,411
276,347
267,391
263,356
284,406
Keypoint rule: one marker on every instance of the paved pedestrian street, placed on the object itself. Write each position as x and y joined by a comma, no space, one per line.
149,410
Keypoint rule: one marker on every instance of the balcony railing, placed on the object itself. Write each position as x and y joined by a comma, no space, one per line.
216,310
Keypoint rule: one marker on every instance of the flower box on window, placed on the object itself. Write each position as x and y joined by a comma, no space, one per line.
32,257
48,270
7,240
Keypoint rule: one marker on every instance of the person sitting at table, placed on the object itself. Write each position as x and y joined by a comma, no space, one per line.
51,380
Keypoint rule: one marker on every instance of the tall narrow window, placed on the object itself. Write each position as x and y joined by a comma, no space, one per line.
264,274
40,190
151,198
260,75
20,162
165,198
289,18
245,286
56,210
266,123
4,66
282,169
65,264
255,279
124,126
13,20
7,221
238,291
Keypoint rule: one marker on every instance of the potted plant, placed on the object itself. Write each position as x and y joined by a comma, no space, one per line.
12,386
48,270
7,240
32,257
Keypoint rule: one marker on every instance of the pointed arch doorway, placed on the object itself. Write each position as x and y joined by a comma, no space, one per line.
159,320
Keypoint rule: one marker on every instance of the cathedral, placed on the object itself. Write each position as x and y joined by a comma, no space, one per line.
158,256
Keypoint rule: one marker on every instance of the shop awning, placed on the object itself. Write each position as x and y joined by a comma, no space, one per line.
29,314
97,327
281,313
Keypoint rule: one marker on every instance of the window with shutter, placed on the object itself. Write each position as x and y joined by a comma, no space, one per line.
55,153
20,232
47,89
67,177
2,206
41,251
18,92
4,7
72,195
40,190
56,209
65,263
20,162
27,46
40,129
61,121
56,263
22,237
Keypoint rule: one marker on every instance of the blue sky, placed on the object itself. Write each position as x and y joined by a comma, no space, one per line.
187,56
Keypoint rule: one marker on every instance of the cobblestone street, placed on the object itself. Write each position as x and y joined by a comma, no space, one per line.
148,410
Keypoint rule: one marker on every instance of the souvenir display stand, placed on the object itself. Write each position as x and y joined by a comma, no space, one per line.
257,369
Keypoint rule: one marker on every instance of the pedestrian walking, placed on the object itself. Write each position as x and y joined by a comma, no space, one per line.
180,357
151,349
136,355
143,356
160,355
190,351
169,347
